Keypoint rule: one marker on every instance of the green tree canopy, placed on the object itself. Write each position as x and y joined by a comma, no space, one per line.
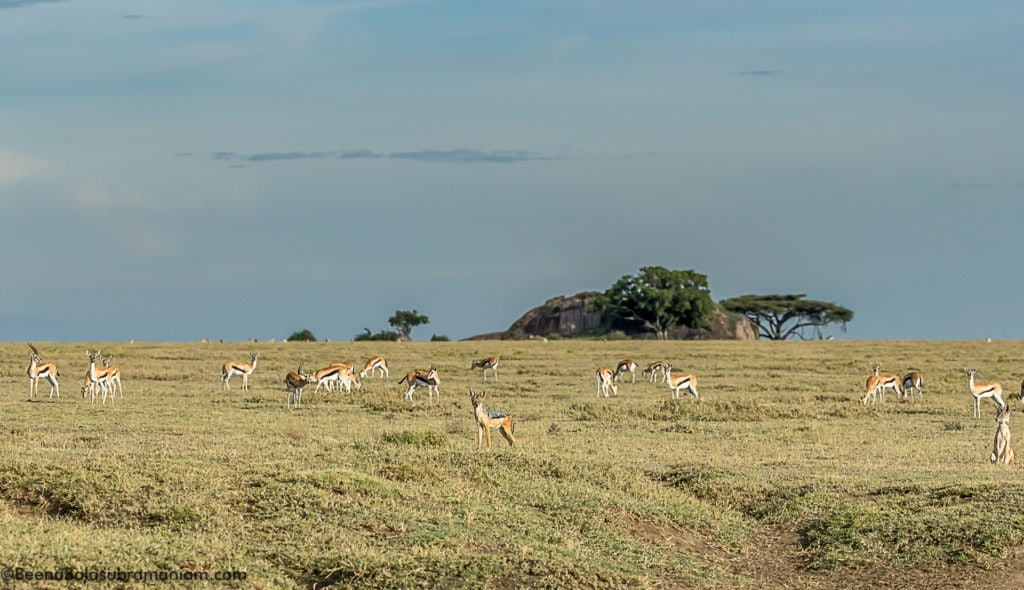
659,298
302,336
405,321
779,317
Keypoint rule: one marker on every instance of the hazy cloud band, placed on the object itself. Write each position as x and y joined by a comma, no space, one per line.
455,156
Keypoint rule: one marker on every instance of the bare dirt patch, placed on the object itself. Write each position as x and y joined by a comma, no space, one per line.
777,560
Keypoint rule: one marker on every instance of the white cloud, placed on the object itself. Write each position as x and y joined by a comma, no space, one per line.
15,168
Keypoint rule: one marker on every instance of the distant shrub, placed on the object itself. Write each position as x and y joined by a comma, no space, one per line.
387,335
440,338
302,336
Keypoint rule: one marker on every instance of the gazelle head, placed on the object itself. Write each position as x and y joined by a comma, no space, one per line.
432,372
92,356
970,373
35,354
253,356
875,368
107,360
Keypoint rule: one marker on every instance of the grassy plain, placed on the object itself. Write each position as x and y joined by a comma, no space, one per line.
778,477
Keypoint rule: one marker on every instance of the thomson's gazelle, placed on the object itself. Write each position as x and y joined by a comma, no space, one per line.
294,382
606,381
683,381
886,381
428,379
912,381
626,365
37,370
982,390
113,377
244,369
373,365
490,362
653,369
97,377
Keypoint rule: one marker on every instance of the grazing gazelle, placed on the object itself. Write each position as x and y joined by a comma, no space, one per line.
373,365
886,381
428,379
244,369
335,372
346,371
871,389
683,381
1001,451
37,370
626,365
982,390
490,362
653,369
912,381
488,419
606,381
294,382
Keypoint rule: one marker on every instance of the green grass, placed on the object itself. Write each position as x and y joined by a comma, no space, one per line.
639,490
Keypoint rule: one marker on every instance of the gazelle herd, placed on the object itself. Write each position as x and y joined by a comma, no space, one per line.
676,383
103,380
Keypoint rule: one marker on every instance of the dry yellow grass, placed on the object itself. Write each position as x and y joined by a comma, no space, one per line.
778,476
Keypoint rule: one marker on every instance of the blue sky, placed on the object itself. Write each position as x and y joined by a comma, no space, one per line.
235,169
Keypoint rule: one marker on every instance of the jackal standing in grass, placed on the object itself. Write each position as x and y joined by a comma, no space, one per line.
1001,451
487,419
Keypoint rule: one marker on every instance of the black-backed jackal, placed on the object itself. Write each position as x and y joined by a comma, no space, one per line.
488,419
1001,451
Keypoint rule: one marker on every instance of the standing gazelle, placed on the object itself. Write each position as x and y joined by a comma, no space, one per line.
490,362
373,365
428,379
912,381
37,370
982,390
97,377
113,377
294,382
626,365
244,369
606,381
886,381
683,381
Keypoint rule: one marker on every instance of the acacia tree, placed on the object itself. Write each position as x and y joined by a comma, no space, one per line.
779,317
659,298
405,321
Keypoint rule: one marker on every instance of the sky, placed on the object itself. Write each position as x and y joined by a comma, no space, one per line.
178,170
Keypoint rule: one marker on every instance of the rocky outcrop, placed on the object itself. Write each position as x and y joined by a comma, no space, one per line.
569,317
565,316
